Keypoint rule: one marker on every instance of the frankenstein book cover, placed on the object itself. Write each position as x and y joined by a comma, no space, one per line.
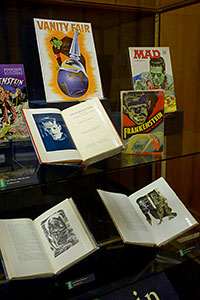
142,121
13,97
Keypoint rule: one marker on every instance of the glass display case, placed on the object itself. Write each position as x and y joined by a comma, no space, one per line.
27,188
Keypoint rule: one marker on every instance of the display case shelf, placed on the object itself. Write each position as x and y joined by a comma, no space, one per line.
142,5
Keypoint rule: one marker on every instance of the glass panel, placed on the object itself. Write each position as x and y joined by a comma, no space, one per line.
113,30
116,264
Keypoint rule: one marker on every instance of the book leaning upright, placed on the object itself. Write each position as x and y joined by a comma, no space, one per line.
68,60
80,133
142,121
152,216
46,246
151,69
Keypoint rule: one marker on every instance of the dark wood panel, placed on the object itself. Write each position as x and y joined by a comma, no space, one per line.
183,175
180,30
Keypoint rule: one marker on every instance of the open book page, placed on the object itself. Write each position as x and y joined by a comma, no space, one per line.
91,128
51,137
22,252
162,211
125,218
64,235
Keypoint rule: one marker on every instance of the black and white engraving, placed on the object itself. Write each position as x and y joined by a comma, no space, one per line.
59,232
155,205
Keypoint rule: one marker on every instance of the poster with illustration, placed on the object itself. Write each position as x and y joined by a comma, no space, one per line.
68,60
13,97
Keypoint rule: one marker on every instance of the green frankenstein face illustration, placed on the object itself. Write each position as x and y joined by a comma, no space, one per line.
137,107
138,113
158,75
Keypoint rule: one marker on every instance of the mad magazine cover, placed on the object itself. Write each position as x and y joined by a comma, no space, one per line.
68,60
151,69
142,121
13,97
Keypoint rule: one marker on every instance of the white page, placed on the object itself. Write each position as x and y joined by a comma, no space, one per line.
177,218
125,218
64,235
91,128
47,155
21,248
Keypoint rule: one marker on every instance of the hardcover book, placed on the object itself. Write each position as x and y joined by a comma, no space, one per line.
151,68
80,133
68,60
13,97
152,216
142,121
46,246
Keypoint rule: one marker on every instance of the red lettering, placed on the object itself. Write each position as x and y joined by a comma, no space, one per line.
148,54
144,54
156,53
139,54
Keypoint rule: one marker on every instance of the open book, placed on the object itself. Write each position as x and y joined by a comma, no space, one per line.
47,245
151,216
80,133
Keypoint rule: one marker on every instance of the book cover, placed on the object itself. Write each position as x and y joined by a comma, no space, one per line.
13,97
68,60
142,121
151,68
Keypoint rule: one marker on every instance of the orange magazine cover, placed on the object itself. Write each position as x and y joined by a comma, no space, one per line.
68,60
